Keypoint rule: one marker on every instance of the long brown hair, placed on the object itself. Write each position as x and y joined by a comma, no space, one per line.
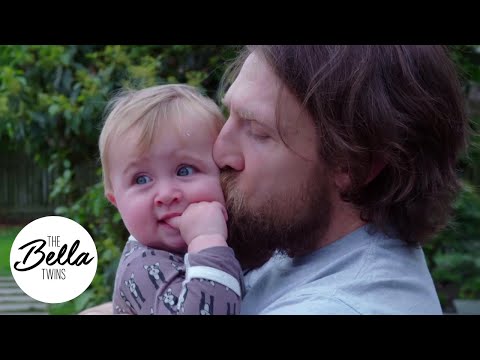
400,107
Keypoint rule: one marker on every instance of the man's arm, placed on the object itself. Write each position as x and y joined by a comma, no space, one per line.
103,309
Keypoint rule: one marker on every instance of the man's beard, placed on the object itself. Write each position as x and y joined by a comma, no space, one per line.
292,222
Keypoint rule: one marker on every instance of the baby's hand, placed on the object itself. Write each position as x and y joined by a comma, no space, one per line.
202,225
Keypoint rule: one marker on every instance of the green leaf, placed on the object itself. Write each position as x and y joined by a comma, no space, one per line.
82,300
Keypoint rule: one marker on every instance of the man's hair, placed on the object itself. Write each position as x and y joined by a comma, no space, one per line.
400,107
147,109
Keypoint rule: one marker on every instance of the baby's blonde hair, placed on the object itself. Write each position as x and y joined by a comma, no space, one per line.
147,109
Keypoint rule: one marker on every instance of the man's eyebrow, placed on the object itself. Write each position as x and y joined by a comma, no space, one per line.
242,112
247,114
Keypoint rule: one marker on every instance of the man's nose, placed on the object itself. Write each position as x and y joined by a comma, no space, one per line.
227,150
167,194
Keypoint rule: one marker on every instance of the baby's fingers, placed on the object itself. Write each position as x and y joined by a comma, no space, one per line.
174,221
224,211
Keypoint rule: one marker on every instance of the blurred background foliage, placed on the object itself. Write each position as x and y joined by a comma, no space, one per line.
52,100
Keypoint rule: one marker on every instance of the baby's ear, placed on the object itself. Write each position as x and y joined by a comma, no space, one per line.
111,198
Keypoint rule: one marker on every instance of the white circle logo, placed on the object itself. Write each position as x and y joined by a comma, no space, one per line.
53,259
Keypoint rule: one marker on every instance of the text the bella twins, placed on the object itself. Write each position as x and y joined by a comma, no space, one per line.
53,259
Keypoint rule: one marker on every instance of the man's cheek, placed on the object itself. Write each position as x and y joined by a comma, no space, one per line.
258,182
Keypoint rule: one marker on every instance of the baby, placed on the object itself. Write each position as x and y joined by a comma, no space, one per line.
156,152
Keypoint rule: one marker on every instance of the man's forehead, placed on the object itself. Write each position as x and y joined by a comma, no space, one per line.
256,74
257,93
254,93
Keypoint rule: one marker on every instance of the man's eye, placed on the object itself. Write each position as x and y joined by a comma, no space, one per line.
142,179
185,170
259,136
256,132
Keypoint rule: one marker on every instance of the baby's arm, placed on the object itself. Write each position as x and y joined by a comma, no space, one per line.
213,280
213,283
202,225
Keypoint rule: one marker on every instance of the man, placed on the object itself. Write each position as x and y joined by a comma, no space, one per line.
342,158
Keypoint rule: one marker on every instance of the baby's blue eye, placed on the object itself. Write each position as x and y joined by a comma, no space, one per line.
185,170
142,179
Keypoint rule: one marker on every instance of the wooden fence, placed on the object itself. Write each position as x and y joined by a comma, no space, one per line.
25,187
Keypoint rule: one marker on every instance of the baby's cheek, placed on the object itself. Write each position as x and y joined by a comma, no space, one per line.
216,192
134,215
207,190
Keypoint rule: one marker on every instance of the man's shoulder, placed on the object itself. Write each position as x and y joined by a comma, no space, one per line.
363,296
311,305
364,273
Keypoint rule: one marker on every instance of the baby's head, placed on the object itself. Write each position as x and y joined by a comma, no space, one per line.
148,111
156,151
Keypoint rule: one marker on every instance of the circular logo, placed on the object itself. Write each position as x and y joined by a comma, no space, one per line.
53,259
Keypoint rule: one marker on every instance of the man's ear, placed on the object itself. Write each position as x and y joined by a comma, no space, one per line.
378,164
342,176
109,195
342,179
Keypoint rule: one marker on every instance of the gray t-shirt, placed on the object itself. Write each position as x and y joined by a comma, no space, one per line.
358,274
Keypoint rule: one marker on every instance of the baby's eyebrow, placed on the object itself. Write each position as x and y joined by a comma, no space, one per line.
188,157
132,165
